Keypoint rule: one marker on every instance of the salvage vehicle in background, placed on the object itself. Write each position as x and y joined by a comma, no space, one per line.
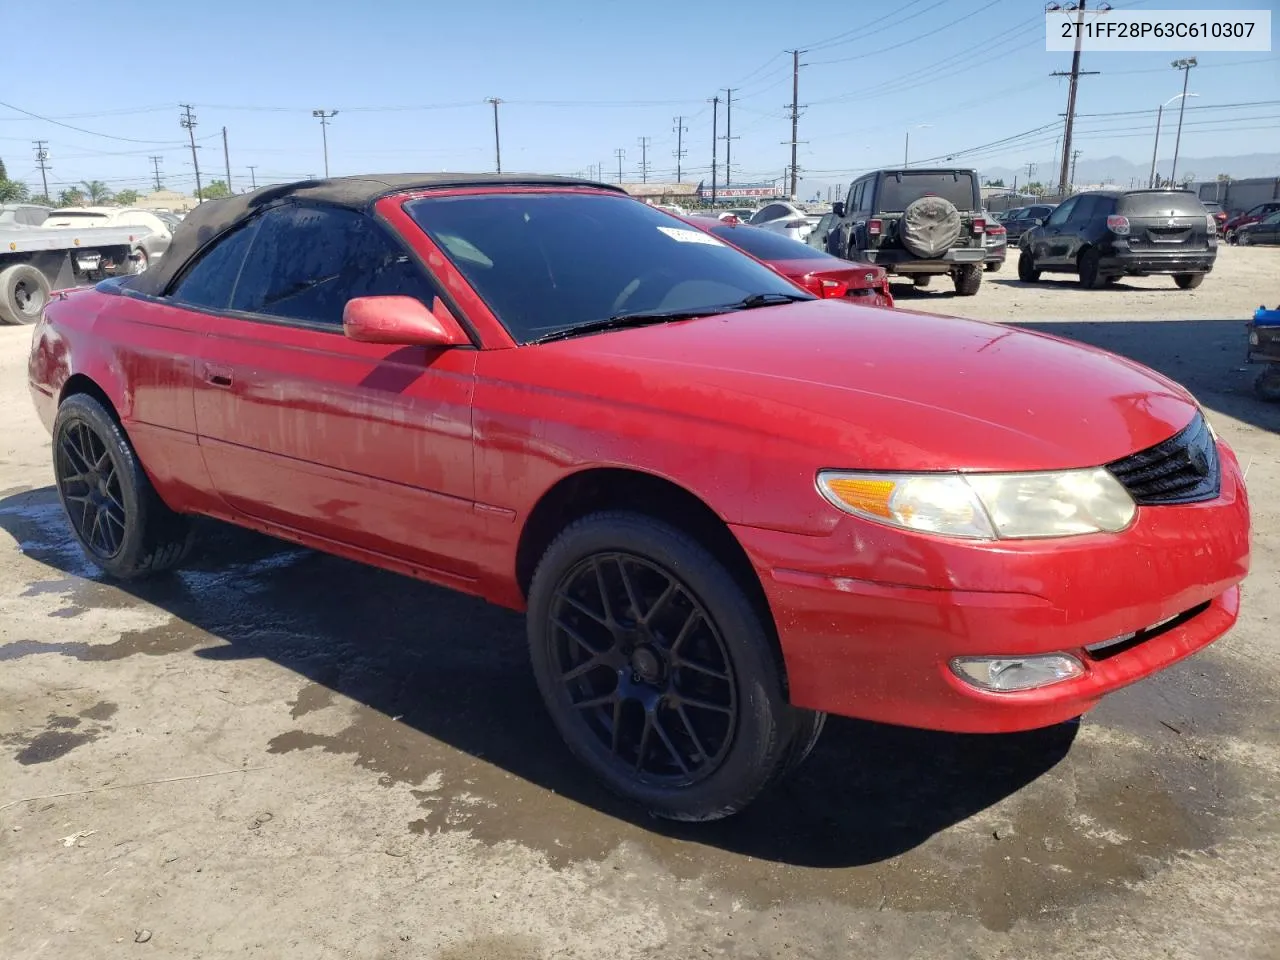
997,244
820,273
1231,228
1219,215
918,223
727,506
1264,231
35,261
786,219
151,243
1023,219
1103,235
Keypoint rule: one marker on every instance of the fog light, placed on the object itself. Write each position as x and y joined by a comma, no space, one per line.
1006,674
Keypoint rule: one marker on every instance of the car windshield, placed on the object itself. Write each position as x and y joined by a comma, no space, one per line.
764,244
898,190
546,263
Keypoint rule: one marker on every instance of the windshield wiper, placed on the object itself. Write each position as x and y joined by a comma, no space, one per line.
644,318
620,321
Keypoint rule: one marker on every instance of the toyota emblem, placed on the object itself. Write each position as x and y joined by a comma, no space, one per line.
870,277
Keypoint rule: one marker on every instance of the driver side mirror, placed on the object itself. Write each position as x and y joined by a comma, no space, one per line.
838,208
403,321
1039,221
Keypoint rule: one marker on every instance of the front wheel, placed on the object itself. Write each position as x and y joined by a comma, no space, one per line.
115,513
1188,281
1229,236
1027,271
968,279
1243,239
658,670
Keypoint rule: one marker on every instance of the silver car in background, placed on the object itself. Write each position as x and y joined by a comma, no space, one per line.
786,219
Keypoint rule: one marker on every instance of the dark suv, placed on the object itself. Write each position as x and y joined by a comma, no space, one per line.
916,223
1106,234
1024,218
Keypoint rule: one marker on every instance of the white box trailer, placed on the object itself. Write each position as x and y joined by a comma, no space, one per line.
34,262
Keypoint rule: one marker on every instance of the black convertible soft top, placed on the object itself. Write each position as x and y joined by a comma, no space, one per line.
213,218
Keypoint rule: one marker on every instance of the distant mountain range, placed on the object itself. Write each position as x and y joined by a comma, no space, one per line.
1120,171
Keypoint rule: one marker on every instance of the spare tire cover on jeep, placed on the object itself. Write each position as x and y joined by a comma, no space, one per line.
929,226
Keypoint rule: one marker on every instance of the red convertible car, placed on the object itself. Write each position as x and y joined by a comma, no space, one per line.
727,506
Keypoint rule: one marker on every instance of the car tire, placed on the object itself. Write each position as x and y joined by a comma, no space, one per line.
621,683
140,261
1229,236
921,280
1089,266
1267,386
1243,239
968,279
1188,281
994,265
1027,271
24,291
116,515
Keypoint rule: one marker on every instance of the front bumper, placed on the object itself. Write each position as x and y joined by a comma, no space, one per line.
870,617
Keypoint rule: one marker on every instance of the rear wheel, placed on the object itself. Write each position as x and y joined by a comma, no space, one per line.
658,670
1229,236
1027,271
1188,281
968,279
1267,386
24,291
994,265
115,513
922,280
1090,266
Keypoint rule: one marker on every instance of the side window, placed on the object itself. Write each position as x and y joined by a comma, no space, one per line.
307,262
1084,210
209,282
1059,216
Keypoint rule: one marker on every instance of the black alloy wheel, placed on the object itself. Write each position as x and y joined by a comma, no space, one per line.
89,481
646,667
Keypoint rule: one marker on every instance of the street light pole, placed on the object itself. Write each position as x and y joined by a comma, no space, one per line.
1153,182
497,142
1185,66
325,116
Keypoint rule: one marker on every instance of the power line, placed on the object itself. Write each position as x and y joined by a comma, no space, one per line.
914,39
92,133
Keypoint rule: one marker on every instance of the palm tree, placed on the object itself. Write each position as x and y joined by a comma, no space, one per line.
96,190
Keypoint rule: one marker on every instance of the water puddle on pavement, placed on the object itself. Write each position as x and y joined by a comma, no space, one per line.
61,734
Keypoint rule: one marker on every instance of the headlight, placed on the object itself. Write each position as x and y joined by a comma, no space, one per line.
985,506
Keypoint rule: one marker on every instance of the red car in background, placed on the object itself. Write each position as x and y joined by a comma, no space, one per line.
827,276
1253,215
728,506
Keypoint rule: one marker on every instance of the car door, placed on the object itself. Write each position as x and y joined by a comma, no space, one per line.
1047,240
1076,233
359,443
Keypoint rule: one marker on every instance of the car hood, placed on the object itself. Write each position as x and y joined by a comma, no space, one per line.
879,389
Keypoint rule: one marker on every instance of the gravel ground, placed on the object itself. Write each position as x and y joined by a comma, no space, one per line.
275,753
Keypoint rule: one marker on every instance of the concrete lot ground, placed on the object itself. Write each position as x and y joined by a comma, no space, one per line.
275,753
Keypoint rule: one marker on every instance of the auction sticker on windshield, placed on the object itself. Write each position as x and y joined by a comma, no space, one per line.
1191,31
690,236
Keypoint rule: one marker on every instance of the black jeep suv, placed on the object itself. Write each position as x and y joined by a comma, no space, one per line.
1103,235
915,222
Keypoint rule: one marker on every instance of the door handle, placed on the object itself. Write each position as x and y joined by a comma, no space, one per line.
217,376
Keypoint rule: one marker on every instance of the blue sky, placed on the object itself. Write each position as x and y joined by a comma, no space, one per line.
579,80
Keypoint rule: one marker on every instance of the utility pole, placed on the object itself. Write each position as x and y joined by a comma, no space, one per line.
680,150
42,160
1075,76
1075,155
795,114
188,121
715,129
325,116
497,140
155,165
1031,169
728,133
253,176
226,157
619,153
1185,66
644,159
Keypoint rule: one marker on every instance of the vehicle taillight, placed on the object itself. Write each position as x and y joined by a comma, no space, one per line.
874,227
1118,225
1213,224
995,229
833,288
979,225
